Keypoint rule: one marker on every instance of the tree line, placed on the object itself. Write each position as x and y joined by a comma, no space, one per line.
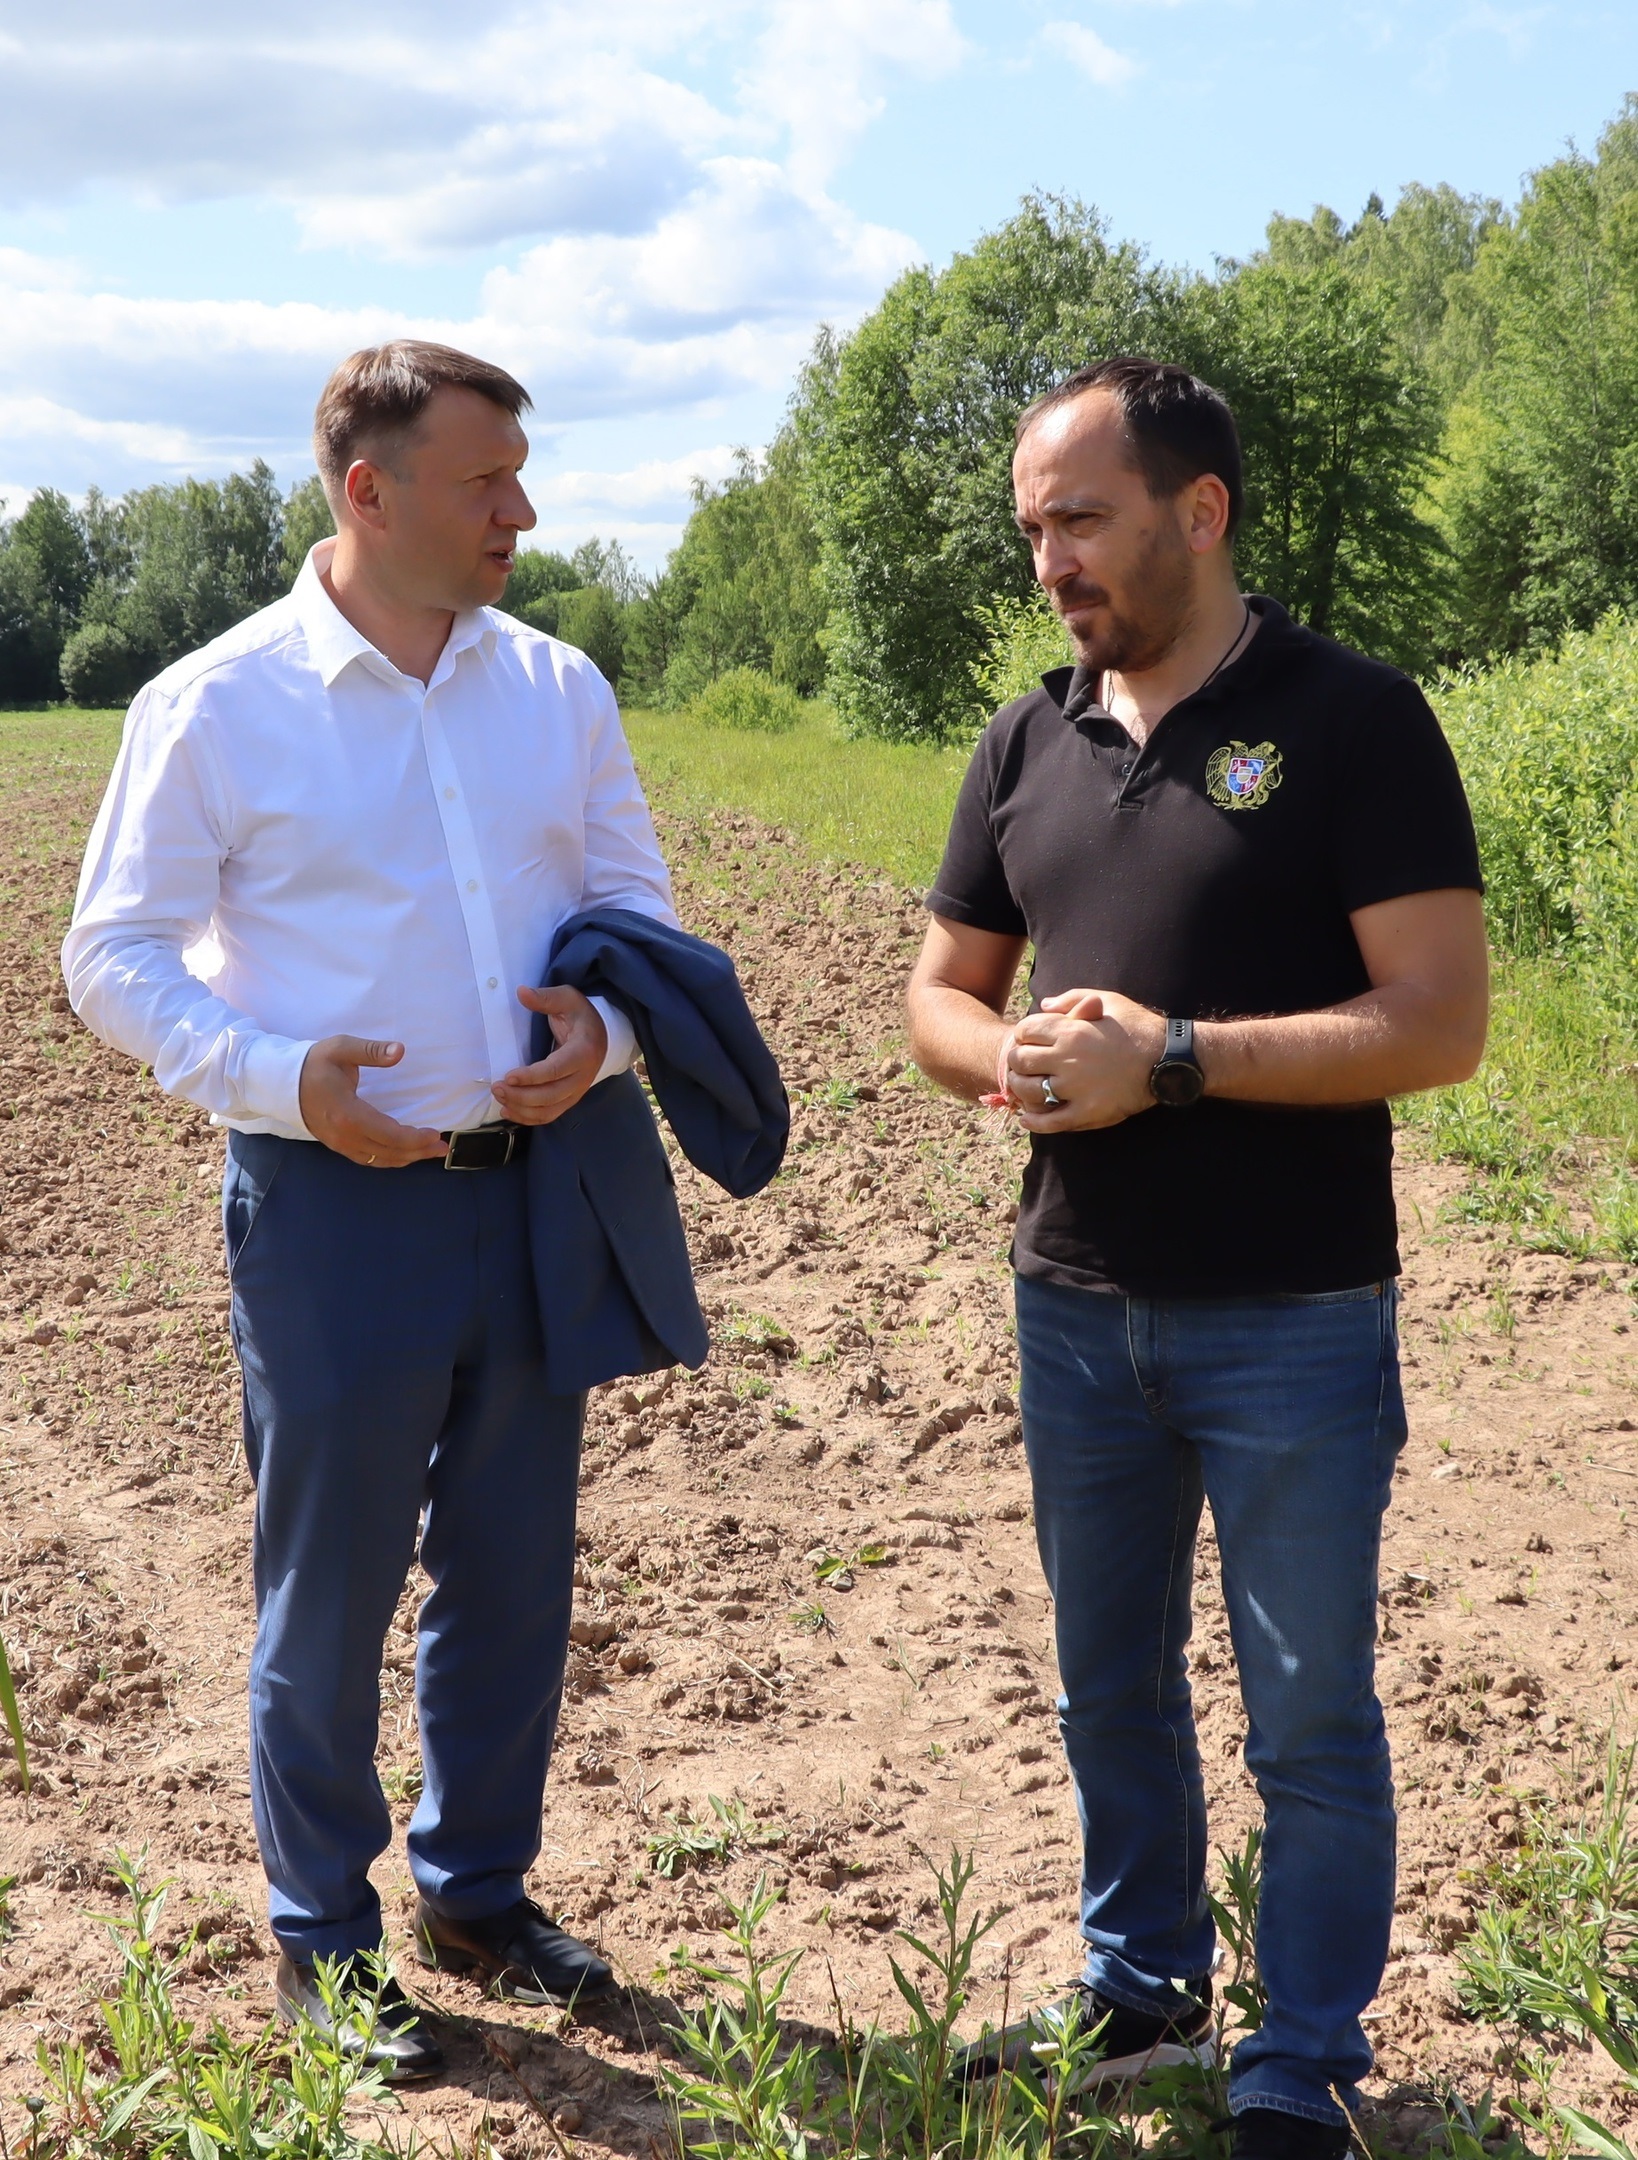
1439,404
96,598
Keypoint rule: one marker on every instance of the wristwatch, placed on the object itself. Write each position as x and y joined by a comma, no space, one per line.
1177,1080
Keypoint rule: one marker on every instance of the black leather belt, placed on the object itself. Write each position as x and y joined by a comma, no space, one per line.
484,1147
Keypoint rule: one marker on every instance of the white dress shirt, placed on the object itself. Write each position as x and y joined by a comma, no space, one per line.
299,841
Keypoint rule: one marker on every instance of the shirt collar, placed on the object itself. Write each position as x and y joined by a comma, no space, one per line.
334,643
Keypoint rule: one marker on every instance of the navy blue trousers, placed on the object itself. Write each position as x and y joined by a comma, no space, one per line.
390,1340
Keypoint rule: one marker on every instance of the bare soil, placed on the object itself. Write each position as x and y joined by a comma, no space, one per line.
858,1407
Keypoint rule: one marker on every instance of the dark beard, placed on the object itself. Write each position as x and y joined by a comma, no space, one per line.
1135,636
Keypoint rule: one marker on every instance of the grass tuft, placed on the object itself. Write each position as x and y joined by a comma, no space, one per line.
687,1840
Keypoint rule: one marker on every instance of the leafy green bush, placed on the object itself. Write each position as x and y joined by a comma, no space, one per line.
101,666
1549,751
748,700
1024,638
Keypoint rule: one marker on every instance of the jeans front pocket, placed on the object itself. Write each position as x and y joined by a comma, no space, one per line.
1360,1295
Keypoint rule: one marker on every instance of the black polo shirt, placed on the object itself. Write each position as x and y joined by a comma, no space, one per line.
1211,875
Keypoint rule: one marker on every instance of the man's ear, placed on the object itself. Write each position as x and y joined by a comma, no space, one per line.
362,488
1206,513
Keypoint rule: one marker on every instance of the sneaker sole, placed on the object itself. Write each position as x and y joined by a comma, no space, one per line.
1112,2070
1168,2055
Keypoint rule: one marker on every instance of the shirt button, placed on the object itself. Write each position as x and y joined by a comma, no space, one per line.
494,982
471,884
449,794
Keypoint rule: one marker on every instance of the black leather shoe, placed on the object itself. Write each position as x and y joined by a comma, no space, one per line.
522,1955
391,2036
1262,2133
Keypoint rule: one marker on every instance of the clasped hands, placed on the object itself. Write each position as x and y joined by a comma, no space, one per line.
334,1112
1092,1050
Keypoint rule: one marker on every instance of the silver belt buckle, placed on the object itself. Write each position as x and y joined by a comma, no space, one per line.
475,1132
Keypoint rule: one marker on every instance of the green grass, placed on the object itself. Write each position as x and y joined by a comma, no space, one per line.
57,744
151,2084
885,806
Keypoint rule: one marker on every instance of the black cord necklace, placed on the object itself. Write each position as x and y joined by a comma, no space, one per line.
1239,640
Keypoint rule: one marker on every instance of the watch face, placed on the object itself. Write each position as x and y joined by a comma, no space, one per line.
1177,1083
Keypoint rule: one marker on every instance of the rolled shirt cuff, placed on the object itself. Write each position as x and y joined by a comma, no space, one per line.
622,1039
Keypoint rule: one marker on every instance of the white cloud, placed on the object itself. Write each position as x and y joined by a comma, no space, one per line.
818,69
548,117
670,249
644,507
1084,49
25,419
657,486
717,300
747,247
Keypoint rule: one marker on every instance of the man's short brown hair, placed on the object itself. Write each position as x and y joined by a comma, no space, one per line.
371,403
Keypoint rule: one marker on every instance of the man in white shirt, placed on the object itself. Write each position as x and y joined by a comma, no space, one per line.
324,879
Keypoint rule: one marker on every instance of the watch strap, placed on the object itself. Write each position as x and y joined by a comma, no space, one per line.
1179,1048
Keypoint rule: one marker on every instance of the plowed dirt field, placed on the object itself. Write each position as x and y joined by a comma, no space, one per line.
807,1580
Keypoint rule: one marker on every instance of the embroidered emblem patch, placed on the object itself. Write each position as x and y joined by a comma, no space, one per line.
1238,778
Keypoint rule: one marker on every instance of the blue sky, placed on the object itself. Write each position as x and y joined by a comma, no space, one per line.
645,207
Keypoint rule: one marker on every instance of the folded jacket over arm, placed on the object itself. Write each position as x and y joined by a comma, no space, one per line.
612,1270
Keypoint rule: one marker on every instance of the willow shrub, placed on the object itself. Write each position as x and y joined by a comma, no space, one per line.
1549,751
1024,639
749,701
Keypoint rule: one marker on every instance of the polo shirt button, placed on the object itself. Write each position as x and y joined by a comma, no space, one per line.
494,982
449,794
471,884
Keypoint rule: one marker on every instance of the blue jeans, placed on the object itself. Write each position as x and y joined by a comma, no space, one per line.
394,1383
1286,1414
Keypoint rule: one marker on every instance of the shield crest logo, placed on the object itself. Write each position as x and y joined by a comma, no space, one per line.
1242,776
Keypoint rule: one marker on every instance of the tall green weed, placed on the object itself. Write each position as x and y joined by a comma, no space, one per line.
749,2088
1556,1949
13,1717
154,2085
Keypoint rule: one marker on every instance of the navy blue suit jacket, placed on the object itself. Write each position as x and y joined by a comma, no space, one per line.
612,1271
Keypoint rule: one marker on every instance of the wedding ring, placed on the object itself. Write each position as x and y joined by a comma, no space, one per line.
1049,1097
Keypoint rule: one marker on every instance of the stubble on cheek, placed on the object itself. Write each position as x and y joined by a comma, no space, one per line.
1143,617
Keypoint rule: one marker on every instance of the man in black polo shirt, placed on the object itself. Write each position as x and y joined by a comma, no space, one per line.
1244,861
